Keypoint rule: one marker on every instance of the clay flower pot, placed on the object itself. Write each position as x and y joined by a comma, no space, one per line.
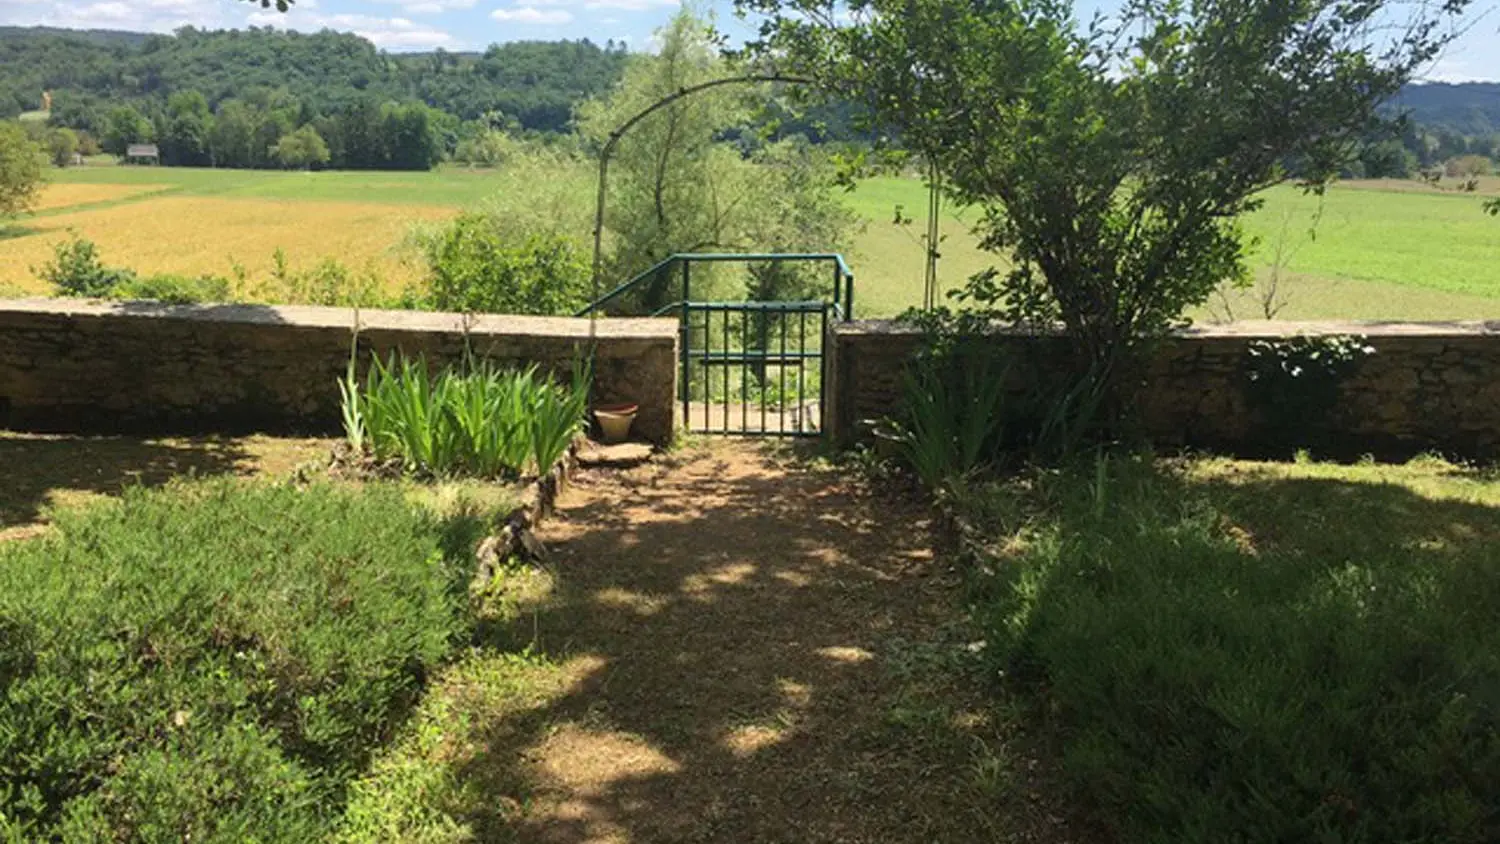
615,421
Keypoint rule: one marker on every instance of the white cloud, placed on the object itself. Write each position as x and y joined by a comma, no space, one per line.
135,15
429,7
532,15
629,5
387,33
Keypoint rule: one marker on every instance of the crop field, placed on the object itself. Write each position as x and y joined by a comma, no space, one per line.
1368,250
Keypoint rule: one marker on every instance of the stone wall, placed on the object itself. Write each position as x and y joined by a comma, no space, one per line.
1427,386
75,366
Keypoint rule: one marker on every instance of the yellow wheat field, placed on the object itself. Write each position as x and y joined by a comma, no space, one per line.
193,236
68,195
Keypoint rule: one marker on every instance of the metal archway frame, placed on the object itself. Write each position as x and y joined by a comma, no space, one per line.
619,132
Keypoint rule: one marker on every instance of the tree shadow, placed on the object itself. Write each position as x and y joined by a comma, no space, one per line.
772,659
41,470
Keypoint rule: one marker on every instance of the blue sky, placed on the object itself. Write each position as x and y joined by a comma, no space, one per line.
401,25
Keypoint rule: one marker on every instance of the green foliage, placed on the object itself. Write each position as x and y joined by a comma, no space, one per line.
20,170
1110,160
1294,383
185,131
125,126
482,263
536,83
488,148
1250,657
329,283
303,149
481,421
677,186
62,144
76,269
1465,166
951,420
215,661
174,289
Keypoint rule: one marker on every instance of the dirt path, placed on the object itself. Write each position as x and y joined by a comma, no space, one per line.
766,665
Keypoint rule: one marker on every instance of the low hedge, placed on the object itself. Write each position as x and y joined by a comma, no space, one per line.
214,661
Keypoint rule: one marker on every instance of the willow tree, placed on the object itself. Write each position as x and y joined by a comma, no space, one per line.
678,184
1111,159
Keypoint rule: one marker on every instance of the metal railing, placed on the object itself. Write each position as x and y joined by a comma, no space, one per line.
843,277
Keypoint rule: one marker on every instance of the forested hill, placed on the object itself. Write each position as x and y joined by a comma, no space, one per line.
100,36
1470,108
533,83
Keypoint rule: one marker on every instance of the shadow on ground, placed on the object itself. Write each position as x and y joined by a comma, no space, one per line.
46,470
769,656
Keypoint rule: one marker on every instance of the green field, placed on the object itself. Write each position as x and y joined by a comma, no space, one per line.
1367,250
446,186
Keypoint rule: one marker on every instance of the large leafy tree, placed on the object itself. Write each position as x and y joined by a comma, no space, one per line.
184,130
125,126
20,170
302,149
1111,159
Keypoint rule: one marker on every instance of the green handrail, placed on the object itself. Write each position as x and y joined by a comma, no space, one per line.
844,276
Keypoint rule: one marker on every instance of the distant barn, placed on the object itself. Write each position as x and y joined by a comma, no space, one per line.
142,154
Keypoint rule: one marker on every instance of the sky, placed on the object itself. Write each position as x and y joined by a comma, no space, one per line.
405,25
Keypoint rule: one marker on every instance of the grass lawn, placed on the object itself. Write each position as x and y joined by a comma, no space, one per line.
1259,652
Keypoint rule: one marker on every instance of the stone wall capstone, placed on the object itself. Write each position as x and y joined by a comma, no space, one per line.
1427,386
79,366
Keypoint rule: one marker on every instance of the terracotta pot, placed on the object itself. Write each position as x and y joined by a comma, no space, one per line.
615,421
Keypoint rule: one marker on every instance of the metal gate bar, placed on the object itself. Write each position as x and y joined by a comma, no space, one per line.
712,356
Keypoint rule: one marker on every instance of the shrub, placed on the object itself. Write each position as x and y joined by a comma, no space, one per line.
329,283
214,661
1465,166
1257,661
175,289
476,264
77,270
481,420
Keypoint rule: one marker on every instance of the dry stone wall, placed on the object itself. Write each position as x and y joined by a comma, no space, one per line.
1427,385
76,366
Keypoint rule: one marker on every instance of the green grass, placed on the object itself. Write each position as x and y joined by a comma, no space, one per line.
1255,652
1376,253
446,186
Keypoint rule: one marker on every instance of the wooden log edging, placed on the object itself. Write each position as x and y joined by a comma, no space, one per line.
515,536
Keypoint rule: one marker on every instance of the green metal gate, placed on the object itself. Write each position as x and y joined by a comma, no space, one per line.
751,368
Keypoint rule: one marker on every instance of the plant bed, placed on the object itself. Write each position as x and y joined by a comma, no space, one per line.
1255,652
217,660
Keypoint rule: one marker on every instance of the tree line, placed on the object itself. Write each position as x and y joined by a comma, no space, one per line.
270,128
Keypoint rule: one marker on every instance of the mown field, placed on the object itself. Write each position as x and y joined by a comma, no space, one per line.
1366,250
1371,250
